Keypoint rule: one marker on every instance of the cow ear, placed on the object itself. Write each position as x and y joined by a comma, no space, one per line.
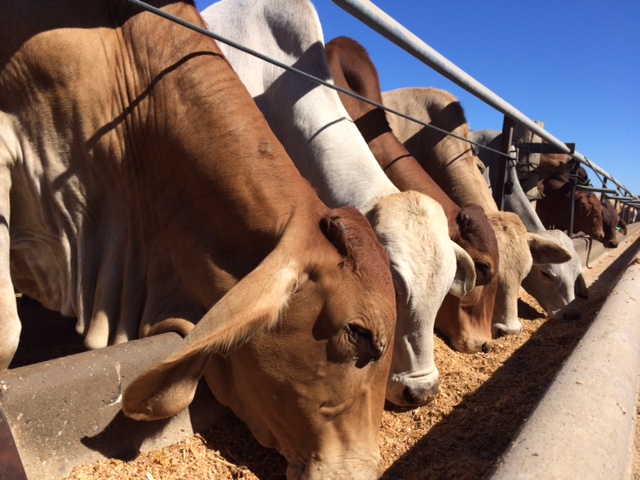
252,306
544,250
534,194
465,277
580,288
335,230
344,228
166,389
623,226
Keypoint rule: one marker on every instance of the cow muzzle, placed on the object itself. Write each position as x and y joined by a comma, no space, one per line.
413,390
502,329
470,345
352,469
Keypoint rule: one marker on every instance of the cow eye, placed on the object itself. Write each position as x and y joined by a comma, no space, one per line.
547,275
362,339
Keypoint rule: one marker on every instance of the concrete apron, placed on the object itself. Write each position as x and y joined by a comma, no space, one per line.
584,425
59,414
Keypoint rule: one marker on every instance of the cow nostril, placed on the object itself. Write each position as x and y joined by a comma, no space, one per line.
418,396
486,347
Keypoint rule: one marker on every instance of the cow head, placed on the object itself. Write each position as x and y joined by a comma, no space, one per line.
299,349
426,266
478,239
589,217
465,321
519,250
556,285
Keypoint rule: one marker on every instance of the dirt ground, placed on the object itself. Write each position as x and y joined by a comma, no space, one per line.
483,401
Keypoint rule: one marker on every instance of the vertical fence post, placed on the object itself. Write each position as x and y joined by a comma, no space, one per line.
573,183
507,139
528,162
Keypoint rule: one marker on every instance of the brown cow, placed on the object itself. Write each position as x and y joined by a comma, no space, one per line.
142,190
561,164
554,208
352,69
451,163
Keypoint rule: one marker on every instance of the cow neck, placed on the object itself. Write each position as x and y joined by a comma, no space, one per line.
400,166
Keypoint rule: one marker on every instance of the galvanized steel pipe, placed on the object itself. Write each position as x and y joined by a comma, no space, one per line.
378,20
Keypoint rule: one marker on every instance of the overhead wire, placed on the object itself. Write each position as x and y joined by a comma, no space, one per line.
231,43
328,84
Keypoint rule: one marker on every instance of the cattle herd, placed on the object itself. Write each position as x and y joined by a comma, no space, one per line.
307,245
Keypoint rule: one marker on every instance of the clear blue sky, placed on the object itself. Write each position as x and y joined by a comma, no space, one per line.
575,65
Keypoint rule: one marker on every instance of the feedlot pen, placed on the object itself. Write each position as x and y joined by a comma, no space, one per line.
483,402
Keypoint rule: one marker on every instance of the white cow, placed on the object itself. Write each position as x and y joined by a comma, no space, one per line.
328,149
554,285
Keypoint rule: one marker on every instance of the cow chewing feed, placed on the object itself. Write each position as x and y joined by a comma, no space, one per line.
142,189
554,285
330,152
452,164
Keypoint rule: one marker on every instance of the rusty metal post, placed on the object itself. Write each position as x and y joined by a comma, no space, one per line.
528,160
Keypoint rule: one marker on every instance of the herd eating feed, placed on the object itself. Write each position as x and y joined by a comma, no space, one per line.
307,245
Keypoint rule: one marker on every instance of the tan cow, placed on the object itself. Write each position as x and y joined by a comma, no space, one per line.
452,164
141,190
353,70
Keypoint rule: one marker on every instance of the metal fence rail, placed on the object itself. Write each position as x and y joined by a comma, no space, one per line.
375,18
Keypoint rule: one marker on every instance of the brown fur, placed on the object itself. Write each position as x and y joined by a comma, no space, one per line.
179,205
555,207
353,70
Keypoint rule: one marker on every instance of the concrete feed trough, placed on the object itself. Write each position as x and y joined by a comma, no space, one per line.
66,412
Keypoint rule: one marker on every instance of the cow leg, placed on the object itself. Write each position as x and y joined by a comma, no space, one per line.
9,321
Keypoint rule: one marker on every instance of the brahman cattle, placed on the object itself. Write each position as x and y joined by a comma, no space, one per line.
554,285
353,70
554,208
328,149
451,163
143,191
